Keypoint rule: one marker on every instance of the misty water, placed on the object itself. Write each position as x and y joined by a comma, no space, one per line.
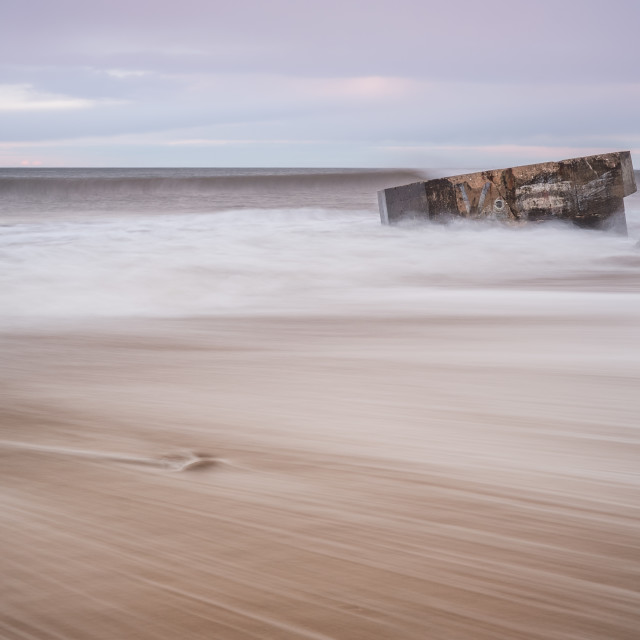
234,405
173,243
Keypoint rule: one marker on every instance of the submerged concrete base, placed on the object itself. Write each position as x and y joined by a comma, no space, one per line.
587,191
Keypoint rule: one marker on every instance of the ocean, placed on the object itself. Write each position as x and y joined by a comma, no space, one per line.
234,405
184,242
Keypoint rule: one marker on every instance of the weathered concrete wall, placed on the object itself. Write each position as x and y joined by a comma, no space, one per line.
587,191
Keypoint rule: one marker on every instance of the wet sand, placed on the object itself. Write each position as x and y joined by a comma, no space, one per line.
465,476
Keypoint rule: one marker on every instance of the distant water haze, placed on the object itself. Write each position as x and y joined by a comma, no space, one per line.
234,405
87,192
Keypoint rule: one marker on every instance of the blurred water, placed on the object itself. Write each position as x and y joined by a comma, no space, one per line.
287,260
85,193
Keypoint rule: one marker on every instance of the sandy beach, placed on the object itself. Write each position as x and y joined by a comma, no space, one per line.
425,476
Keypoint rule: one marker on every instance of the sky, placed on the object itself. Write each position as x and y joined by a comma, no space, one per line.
337,83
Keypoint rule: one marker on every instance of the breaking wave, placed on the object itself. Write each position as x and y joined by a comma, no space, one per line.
194,190
296,261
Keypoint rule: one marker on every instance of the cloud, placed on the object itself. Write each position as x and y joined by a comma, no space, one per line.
25,97
493,40
375,81
125,73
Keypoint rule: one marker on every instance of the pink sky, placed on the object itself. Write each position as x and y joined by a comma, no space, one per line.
207,83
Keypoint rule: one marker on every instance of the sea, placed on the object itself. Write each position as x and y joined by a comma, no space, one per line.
234,405
174,242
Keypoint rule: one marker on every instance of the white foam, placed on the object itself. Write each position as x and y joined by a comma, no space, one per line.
305,261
